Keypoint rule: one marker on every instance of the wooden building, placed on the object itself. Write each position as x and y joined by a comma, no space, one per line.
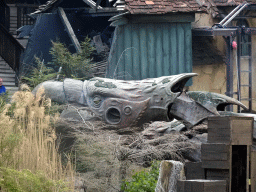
231,70
227,156
152,39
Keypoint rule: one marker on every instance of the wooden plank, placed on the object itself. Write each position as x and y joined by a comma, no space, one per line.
253,170
143,52
242,132
180,185
194,170
216,164
180,47
119,69
69,30
159,50
112,58
248,167
242,126
151,50
215,187
219,132
218,148
163,18
215,139
210,156
13,11
216,135
217,174
188,49
128,52
241,139
92,4
197,186
187,186
135,51
202,185
173,52
166,50
219,123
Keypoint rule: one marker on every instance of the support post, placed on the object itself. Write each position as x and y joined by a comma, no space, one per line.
229,75
238,54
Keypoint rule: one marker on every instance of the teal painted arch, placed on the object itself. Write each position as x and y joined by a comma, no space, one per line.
142,51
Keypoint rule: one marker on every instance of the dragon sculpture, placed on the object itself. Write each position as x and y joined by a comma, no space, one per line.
132,103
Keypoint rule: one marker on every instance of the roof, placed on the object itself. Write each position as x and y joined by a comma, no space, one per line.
162,6
48,5
231,2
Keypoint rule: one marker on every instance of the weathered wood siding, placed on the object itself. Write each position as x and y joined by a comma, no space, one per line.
150,50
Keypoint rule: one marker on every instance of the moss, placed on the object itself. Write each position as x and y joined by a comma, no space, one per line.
166,80
108,85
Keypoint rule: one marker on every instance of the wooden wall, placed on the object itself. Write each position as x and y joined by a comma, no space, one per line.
149,50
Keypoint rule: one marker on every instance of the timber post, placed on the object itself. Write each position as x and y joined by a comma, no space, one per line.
228,160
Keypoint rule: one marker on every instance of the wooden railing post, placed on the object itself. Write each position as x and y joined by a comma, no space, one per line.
10,49
4,15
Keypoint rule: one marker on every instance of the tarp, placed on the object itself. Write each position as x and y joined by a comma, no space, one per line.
48,27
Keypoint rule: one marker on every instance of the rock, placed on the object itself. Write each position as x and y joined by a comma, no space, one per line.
159,128
74,113
170,172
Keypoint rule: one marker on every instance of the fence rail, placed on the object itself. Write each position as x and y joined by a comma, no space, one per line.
10,49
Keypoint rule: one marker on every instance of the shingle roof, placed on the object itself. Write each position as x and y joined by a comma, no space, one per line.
46,6
162,6
231,2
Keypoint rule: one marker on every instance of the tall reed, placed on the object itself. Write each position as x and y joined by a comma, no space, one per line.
28,139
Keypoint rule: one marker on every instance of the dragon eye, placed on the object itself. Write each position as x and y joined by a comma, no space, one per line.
97,101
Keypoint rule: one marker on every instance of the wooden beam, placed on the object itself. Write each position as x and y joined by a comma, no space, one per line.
69,30
98,3
92,4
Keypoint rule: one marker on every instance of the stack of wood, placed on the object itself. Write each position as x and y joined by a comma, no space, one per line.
226,158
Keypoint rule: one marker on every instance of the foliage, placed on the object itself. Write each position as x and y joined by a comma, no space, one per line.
74,65
143,181
4,99
39,74
28,142
26,181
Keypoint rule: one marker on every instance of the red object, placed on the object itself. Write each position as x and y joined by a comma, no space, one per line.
234,45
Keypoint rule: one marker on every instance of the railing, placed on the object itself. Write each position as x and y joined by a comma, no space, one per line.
22,14
10,49
4,14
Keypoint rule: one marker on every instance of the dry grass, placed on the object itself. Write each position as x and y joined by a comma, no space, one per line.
107,155
28,139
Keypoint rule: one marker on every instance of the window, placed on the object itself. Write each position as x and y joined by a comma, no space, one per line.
245,39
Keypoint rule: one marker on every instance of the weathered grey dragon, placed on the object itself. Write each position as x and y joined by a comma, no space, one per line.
128,103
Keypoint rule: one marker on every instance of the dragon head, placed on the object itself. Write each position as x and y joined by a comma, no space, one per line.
127,103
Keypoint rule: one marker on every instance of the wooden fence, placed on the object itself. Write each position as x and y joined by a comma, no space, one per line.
10,49
4,15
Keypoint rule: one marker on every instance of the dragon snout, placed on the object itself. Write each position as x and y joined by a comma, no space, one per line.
113,115
122,112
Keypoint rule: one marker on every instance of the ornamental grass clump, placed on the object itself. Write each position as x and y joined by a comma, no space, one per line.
28,151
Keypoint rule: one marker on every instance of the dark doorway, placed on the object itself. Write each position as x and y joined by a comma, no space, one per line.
239,165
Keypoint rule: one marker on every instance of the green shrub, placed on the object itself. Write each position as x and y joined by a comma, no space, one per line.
143,181
39,74
74,65
25,181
